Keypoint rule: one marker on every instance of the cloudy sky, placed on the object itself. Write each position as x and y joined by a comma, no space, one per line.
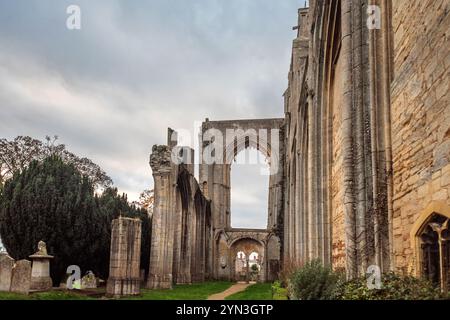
111,89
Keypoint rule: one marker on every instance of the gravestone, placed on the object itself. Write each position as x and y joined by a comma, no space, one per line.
6,266
21,277
89,281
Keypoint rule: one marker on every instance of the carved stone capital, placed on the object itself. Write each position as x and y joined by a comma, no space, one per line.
160,160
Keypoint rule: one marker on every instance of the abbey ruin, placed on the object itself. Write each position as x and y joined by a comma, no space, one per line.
360,164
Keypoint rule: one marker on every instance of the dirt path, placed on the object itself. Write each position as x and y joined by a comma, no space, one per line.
238,287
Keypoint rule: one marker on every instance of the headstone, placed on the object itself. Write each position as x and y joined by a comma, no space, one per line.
6,266
40,274
21,277
89,281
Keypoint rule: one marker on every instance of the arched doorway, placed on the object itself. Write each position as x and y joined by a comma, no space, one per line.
222,143
248,255
241,266
254,266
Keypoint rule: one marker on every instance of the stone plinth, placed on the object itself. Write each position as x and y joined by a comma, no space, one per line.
124,269
40,272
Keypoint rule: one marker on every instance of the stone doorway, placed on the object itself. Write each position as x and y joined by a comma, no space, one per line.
248,255
247,268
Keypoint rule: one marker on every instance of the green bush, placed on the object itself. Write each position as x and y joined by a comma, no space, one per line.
278,292
52,201
313,281
394,287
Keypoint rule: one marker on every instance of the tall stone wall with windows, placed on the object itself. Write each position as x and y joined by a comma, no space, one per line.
364,152
420,118
367,133
337,159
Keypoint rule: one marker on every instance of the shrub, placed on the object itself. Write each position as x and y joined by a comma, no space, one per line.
289,267
53,202
394,287
313,281
278,292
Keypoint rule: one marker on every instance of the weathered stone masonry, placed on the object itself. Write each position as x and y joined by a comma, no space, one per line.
181,228
367,134
265,135
364,161
124,268
192,238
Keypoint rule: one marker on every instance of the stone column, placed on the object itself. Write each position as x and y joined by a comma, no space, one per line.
40,272
124,268
163,229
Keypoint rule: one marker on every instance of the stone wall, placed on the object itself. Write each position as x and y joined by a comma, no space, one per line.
181,224
338,132
337,175
374,105
265,135
420,118
365,150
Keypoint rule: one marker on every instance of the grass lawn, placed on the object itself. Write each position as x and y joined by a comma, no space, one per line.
259,291
197,291
51,295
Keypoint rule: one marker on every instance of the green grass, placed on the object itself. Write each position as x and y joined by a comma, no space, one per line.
13,296
59,295
197,291
259,291
51,295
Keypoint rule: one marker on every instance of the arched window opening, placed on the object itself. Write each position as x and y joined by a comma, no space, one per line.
250,175
435,250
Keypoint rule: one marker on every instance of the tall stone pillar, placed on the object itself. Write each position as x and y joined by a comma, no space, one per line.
163,222
124,269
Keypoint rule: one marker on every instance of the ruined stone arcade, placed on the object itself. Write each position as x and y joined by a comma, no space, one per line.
360,176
